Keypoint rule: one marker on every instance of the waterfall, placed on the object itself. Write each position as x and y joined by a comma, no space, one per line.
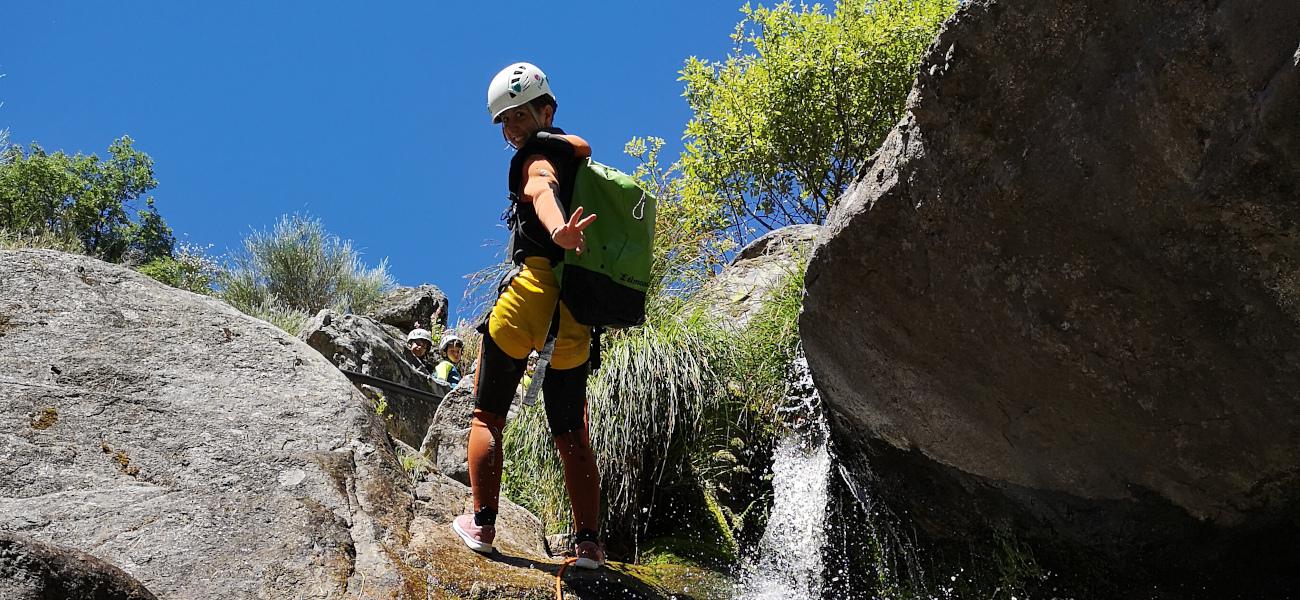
788,563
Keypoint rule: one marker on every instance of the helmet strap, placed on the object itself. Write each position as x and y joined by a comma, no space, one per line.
537,119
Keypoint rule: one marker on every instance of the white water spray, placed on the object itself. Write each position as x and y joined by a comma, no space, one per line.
788,562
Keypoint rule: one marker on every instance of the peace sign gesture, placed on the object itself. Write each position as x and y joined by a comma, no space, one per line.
569,235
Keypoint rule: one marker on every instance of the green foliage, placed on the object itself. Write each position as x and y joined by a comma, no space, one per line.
645,407
294,270
648,403
782,126
414,463
189,268
85,198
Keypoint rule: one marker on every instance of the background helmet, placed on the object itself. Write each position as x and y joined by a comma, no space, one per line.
420,334
449,340
516,85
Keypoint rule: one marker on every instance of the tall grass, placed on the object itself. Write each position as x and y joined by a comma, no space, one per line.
533,476
649,401
646,405
678,402
43,239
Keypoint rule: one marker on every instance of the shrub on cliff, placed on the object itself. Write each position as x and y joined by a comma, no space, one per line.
295,269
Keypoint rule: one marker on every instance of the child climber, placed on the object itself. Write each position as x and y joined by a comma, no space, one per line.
528,311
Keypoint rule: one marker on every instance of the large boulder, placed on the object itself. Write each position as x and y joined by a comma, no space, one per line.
206,453
362,345
404,307
446,442
1064,300
163,440
32,570
737,294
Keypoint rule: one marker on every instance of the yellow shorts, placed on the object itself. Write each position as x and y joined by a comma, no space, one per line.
521,318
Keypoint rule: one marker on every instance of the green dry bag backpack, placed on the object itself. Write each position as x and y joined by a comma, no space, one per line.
606,285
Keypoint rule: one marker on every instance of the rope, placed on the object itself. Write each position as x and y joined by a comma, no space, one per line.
559,587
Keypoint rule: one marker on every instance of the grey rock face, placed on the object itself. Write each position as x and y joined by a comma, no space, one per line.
361,344
31,570
736,295
205,453
446,442
404,307
1065,298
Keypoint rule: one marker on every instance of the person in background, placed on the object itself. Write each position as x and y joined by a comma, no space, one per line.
529,371
418,344
448,368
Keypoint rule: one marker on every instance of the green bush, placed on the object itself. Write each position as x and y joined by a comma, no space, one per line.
189,268
290,272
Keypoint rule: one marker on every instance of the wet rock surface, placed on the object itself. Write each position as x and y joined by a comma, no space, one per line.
1064,300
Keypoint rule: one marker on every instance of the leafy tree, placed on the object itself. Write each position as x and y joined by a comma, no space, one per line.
85,198
782,126
296,269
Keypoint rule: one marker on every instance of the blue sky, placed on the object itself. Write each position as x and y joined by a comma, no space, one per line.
371,117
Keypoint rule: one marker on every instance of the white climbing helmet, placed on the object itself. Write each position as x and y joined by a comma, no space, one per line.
448,339
514,86
420,334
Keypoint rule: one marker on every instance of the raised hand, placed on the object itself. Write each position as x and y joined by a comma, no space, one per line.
569,236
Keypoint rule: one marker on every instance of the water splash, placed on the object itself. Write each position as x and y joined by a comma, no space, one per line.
788,563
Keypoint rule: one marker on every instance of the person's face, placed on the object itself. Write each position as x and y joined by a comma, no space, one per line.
454,352
518,124
419,347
